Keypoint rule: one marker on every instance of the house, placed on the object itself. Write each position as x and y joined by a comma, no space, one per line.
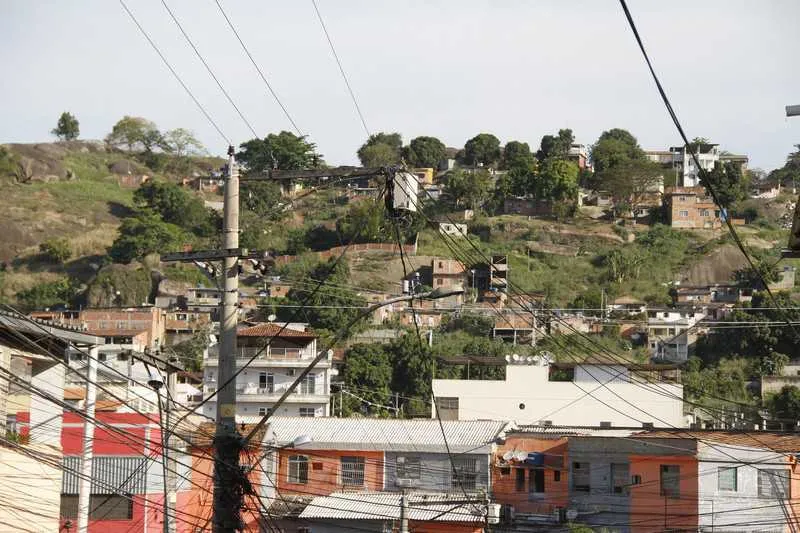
144,326
672,332
730,481
182,325
662,157
691,208
789,376
424,176
449,274
682,161
537,390
273,354
31,425
453,229
628,305
516,328
579,155
765,189
346,474
278,288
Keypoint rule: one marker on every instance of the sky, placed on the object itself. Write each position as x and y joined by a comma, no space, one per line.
446,68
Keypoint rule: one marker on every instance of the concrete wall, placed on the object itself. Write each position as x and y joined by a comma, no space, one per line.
741,510
527,396
30,490
435,471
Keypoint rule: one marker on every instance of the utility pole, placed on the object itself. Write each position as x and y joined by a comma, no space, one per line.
403,513
227,441
85,488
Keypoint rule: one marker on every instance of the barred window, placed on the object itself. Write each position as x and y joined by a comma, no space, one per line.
298,469
408,467
352,471
773,483
671,481
101,507
580,477
465,473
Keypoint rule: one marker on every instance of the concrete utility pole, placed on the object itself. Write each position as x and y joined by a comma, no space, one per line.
85,487
403,513
227,441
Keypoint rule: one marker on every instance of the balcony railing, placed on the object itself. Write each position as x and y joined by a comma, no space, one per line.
280,354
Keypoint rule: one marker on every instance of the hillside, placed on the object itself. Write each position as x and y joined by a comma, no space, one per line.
79,191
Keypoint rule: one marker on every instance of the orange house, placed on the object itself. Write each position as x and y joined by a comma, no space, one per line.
528,473
663,493
320,472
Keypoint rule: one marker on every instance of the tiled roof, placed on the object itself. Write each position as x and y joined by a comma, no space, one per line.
268,329
776,441
393,434
386,506
107,405
74,393
202,435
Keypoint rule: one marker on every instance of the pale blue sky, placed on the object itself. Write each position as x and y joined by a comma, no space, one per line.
453,68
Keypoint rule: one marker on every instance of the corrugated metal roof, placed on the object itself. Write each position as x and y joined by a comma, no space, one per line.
776,441
386,506
385,434
110,475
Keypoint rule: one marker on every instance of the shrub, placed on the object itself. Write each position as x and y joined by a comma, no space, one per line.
56,250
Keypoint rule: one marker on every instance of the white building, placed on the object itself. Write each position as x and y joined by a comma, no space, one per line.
683,162
671,332
568,394
281,353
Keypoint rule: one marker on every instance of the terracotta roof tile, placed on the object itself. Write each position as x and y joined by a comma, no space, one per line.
268,329
74,393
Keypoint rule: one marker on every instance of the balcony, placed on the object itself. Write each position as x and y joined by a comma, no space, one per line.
271,394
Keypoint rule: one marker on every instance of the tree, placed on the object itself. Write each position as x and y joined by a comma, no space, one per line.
631,183
556,145
332,308
263,198
785,405
615,147
365,222
284,151
67,128
381,149
182,142
177,206
368,373
425,152
728,182
57,250
145,234
136,132
42,295
789,173
413,369
483,149
518,155
557,181
468,188
190,352
624,263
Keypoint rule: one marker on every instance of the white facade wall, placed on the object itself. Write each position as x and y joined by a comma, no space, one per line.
741,510
527,396
30,488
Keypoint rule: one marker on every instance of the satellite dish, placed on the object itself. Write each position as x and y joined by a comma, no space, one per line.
519,455
537,360
515,357
529,359
508,358
271,318
508,455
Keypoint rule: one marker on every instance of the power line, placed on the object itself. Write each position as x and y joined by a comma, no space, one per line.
208,68
703,173
258,69
174,73
341,68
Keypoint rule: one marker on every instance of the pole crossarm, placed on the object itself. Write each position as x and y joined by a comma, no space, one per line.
335,172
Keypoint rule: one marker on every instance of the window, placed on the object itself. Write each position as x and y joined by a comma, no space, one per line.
726,478
619,478
122,357
465,473
636,479
580,477
101,506
536,480
671,481
309,384
684,214
408,467
266,381
447,407
439,281
303,529
681,198
352,471
505,471
704,212
101,357
556,475
519,479
298,469
181,316
773,483
308,412
262,411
